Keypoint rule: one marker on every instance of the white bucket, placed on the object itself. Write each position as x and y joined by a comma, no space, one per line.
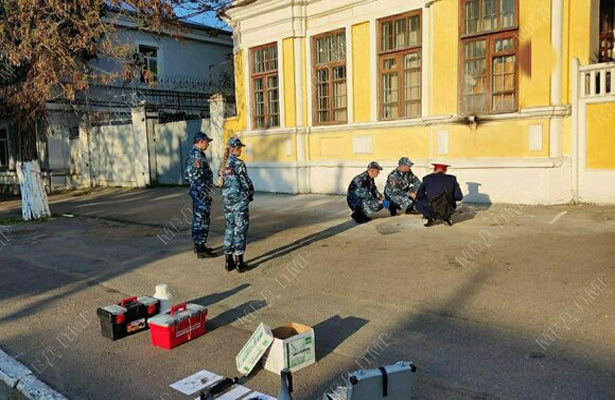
163,294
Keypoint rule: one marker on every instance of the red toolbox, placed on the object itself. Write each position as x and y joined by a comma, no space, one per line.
127,317
181,324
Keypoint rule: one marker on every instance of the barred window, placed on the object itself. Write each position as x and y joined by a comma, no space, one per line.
265,86
399,60
330,94
489,62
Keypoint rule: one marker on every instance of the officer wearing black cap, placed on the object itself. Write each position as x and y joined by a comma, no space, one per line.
200,177
401,187
363,196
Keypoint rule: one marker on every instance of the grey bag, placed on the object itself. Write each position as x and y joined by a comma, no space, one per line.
393,382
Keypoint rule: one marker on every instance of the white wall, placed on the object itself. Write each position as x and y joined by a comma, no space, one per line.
485,182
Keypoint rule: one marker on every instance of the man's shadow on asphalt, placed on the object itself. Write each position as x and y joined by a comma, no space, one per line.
229,316
303,242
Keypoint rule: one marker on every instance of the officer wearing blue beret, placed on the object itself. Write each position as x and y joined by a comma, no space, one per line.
363,196
200,177
401,187
237,192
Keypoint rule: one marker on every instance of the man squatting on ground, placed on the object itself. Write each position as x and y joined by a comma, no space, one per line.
401,187
438,195
237,192
363,196
200,177
435,198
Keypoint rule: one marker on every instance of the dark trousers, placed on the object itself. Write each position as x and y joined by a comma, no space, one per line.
423,206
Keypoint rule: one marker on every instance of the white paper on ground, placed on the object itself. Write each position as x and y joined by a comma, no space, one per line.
237,392
258,396
194,383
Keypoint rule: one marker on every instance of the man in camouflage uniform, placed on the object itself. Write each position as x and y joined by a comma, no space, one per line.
401,187
200,177
363,196
238,192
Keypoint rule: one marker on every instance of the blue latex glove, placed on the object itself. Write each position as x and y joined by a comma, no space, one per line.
385,203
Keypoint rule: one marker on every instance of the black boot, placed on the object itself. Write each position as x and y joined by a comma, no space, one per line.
429,222
209,252
393,210
230,262
199,249
241,264
360,218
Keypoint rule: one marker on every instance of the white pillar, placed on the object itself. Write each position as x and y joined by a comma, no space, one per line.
575,129
557,21
217,105
141,153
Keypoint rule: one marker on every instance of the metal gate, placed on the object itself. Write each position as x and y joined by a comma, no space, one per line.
173,142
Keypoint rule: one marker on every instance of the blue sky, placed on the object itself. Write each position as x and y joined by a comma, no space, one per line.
209,19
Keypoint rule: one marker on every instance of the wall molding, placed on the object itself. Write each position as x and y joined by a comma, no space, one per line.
475,163
547,112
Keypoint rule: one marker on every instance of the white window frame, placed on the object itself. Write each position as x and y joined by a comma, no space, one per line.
159,54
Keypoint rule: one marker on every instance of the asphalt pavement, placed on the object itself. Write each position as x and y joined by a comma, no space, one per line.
512,302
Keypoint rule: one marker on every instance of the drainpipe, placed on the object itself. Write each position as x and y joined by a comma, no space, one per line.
557,21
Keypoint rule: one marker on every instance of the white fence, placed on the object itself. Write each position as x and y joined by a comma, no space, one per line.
597,80
113,154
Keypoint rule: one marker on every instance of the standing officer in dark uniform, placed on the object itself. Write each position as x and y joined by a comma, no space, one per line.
201,179
401,187
363,196
438,195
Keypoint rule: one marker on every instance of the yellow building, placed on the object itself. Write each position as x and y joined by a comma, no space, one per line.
518,95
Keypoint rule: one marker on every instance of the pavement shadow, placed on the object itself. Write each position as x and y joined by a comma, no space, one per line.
234,314
298,244
449,347
214,298
334,331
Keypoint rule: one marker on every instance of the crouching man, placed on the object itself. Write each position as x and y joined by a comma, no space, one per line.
363,196
438,195
401,187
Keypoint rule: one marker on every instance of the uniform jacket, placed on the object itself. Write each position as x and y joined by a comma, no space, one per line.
363,191
237,184
401,183
198,173
436,183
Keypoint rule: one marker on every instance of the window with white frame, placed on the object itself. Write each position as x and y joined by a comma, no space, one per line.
149,59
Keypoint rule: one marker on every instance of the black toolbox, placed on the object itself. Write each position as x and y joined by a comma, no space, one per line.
127,317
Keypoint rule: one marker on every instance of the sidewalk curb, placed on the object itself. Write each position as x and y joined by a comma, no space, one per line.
21,378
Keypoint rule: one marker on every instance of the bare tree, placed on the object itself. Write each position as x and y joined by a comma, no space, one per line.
45,50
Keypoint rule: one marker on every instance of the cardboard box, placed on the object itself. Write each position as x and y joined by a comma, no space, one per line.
254,349
293,347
